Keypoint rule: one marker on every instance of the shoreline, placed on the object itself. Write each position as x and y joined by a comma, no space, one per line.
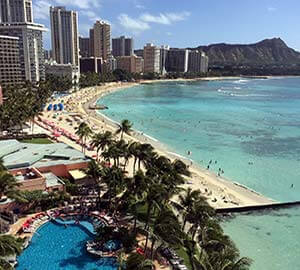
221,192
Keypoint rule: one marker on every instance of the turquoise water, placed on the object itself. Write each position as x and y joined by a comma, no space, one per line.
55,247
252,129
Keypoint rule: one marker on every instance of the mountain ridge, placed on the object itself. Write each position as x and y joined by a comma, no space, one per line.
272,51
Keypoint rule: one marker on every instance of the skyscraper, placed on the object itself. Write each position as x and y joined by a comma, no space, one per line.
84,47
14,11
163,58
151,58
10,69
177,60
16,20
122,46
64,35
100,40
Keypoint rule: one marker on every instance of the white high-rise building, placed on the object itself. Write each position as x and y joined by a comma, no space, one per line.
16,20
151,58
64,35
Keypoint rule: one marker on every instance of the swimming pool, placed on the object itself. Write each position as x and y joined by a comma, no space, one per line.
56,247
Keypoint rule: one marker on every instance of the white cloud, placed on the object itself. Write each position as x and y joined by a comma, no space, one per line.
272,9
41,10
134,25
139,6
91,15
82,4
41,7
167,18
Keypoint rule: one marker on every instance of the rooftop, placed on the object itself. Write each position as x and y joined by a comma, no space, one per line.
21,155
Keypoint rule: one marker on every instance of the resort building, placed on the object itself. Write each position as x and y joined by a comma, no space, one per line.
132,64
64,35
63,70
122,46
10,68
177,60
198,62
164,50
16,11
151,58
31,50
91,64
84,47
39,167
100,40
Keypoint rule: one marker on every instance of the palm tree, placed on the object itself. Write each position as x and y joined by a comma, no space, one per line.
134,151
83,131
9,245
124,127
199,215
137,261
101,141
186,202
8,184
166,228
2,167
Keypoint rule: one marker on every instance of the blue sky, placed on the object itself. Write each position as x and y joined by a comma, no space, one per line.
185,23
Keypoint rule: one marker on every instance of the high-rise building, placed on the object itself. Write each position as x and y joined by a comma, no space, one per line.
14,11
91,64
10,68
177,60
100,40
84,47
204,63
163,59
151,58
31,50
122,46
198,62
133,63
16,20
64,35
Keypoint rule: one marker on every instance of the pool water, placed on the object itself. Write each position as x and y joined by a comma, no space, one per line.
56,247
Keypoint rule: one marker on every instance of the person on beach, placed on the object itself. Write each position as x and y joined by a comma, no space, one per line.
207,167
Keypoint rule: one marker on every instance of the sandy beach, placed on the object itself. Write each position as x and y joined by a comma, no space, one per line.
220,192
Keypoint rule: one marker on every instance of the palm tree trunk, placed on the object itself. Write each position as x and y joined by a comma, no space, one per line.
147,238
134,164
148,215
134,226
152,247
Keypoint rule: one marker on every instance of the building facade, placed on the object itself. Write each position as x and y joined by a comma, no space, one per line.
84,47
132,64
64,35
91,64
30,48
16,11
198,62
151,58
16,20
177,60
100,44
10,68
63,70
122,46
163,59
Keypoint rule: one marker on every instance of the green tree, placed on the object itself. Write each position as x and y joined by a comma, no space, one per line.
83,131
8,184
124,127
136,261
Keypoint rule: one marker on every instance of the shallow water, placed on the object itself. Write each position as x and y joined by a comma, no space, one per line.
250,127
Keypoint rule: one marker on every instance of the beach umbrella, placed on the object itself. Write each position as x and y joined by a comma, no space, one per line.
55,107
50,107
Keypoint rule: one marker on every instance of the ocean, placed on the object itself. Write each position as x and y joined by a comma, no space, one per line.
251,127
